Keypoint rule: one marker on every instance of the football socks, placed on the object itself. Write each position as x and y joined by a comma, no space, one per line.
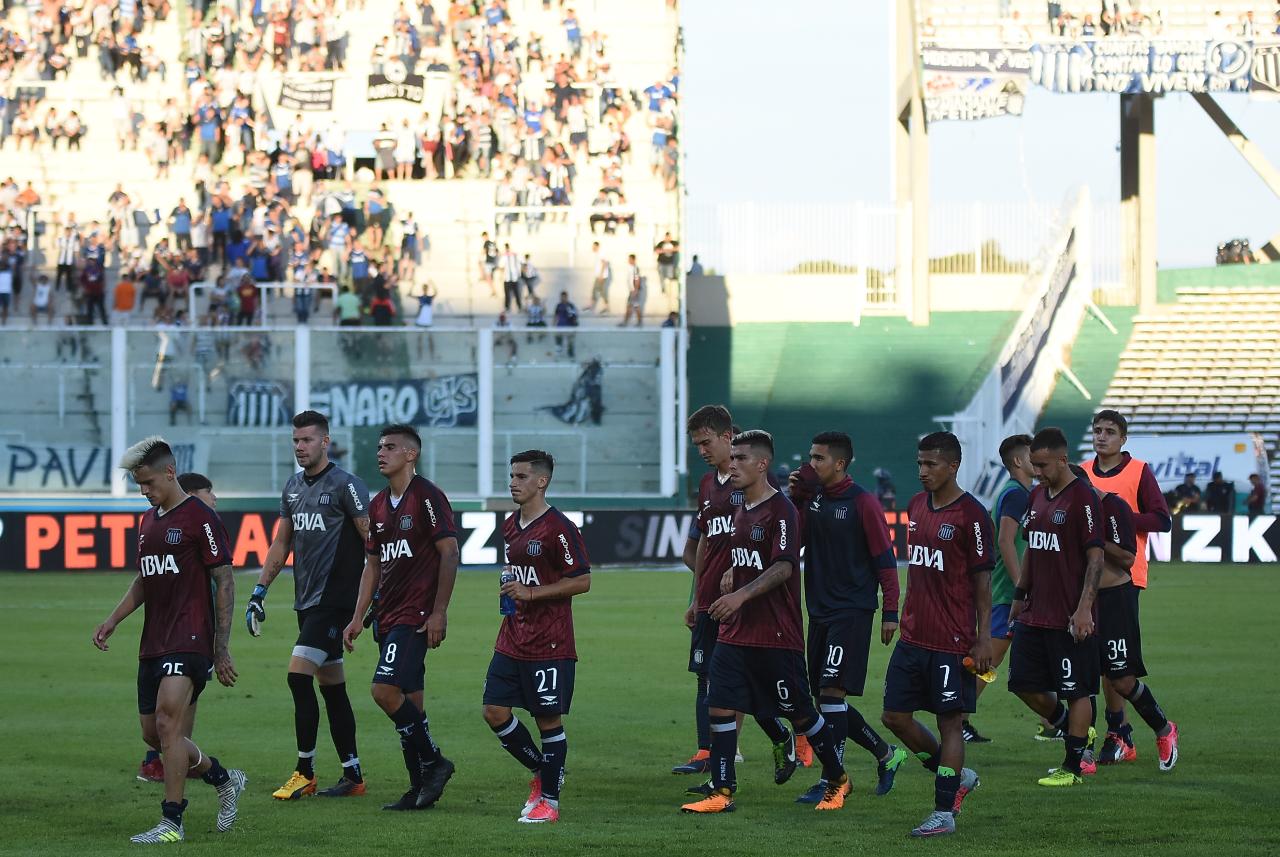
554,751
863,735
1075,752
945,785
411,725
517,741
342,728
306,721
833,709
1144,702
724,745
702,716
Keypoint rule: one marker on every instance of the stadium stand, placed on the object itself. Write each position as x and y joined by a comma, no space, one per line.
1015,21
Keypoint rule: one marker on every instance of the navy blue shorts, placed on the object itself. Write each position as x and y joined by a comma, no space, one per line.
151,671
838,651
402,654
1000,621
760,681
1119,633
539,687
320,635
703,643
1049,660
920,679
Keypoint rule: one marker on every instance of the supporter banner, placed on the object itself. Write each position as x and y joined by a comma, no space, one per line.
297,94
45,467
70,541
977,82
395,82
446,401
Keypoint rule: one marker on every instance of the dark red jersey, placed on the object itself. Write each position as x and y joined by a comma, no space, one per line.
944,548
547,550
762,535
1060,531
717,502
176,550
403,536
1118,523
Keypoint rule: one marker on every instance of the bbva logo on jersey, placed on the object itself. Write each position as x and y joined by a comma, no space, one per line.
395,550
926,556
1042,541
525,574
153,564
745,558
719,525
306,521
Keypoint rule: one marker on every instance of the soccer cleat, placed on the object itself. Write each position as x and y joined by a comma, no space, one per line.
344,787
1048,733
543,813
165,831
434,777
720,800
784,759
1112,749
971,735
407,803
1061,778
229,798
804,751
700,763
968,782
738,758
814,794
1167,748
700,790
296,787
151,772
1128,751
937,824
535,795
887,770
834,794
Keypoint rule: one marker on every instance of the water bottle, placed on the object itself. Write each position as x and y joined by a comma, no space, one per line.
969,664
506,604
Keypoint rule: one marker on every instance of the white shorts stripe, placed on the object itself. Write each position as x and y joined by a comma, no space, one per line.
309,653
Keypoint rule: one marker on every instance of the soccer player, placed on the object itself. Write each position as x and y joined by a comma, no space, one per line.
186,586
534,657
412,565
152,768
758,665
946,616
1006,515
1119,632
848,556
711,431
1115,471
1055,652
324,520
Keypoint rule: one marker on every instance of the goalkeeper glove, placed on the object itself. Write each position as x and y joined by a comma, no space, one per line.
255,614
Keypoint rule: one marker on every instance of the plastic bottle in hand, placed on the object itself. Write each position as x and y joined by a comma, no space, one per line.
988,676
506,604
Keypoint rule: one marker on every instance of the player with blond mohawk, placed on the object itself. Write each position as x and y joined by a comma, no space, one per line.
186,587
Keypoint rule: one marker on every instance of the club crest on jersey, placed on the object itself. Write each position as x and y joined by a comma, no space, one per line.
172,536
947,532
842,512
325,499
534,548
757,533
406,522
1059,516
737,498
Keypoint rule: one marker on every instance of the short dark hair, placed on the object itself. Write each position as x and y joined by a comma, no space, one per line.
758,439
944,442
537,459
1050,438
312,418
1012,442
839,443
192,482
403,429
1112,416
713,417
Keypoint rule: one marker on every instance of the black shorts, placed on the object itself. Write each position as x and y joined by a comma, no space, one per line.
402,655
703,643
920,679
539,687
151,671
1119,634
838,652
1048,660
759,681
320,635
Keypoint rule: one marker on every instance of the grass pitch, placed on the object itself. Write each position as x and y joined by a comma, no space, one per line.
72,745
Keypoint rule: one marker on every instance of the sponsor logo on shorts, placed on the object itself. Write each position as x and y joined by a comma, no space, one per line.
172,536
948,696
947,532
697,656
213,543
534,548
1068,685
1059,516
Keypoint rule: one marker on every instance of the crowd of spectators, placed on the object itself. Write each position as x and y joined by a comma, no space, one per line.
1096,19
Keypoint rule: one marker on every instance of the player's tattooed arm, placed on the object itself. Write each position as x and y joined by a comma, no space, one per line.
132,600
1082,620
279,551
773,577
362,527
437,623
225,595
981,651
